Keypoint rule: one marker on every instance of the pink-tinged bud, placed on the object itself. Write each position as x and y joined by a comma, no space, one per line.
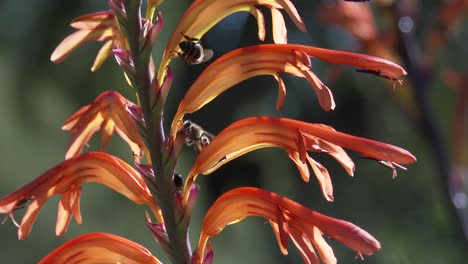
189,205
146,171
162,91
118,7
124,59
158,92
159,234
151,33
135,112
207,259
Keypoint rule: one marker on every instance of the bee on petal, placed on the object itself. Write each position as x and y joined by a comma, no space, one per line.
196,136
192,52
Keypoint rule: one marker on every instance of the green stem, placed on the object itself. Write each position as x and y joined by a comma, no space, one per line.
163,157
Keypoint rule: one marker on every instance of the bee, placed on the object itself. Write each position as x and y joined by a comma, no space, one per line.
196,136
193,52
177,180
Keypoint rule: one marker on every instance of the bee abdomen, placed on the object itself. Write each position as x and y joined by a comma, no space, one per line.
191,51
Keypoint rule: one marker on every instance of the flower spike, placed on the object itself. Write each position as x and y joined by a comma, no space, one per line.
109,112
288,219
66,179
271,59
203,15
295,137
100,248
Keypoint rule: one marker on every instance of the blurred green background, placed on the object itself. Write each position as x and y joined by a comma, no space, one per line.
411,215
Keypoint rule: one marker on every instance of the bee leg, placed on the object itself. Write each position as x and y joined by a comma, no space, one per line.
198,147
189,142
204,140
178,53
190,38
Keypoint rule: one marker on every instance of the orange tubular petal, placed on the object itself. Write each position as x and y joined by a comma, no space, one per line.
203,15
66,179
98,26
258,132
101,19
270,59
303,223
108,112
100,248
76,39
103,54
280,33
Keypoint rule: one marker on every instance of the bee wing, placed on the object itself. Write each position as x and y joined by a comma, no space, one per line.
208,135
207,55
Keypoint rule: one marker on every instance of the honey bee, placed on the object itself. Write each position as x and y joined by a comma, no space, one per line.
193,52
196,136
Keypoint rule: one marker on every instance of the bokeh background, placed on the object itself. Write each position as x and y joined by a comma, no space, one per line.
413,215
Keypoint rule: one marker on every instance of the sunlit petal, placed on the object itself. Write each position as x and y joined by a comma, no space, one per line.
109,112
76,39
66,179
99,26
100,248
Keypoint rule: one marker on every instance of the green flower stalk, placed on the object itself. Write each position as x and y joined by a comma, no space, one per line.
153,180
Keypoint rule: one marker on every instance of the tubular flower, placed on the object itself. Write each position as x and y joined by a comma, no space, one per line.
66,179
98,26
271,59
100,248
203,15
109,112
288,219
295,137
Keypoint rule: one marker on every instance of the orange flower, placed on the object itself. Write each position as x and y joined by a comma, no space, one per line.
100,248
271,59
66,179
295,137
288,219
109,112
98,26
201,16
